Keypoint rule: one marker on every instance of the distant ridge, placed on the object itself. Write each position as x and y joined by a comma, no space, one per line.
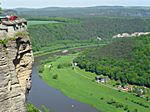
135,11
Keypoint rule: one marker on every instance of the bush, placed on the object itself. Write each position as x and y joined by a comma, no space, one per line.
55,76
4,42
64,65
115,104
59,66
126,108
31,108
21,34
93,80
101,98
126,98
140,104
135,110
41,68
119,90
147,98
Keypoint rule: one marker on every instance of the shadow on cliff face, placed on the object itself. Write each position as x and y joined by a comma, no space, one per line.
23,62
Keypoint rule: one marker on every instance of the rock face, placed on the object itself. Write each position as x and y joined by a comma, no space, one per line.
16,59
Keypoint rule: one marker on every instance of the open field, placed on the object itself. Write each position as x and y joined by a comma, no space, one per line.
79,85
34,22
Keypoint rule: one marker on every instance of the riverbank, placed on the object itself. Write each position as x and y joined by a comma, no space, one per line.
80,85
54,100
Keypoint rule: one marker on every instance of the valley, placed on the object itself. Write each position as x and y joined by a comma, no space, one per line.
41,94
80,85
75,56
80,64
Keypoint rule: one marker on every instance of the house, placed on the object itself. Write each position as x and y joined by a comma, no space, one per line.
13,21
15,24
9,25
3,18
65,51
104,80
75,64
125,88
100,79
98,38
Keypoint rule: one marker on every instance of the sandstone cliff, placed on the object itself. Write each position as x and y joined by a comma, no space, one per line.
16,59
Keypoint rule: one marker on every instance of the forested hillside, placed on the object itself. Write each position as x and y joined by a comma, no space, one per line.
87,11
127,60
85,29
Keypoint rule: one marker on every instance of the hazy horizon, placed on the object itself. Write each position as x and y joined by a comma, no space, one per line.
70,3
72,7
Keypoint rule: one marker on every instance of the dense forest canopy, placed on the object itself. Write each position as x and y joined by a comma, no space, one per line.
84,29
127,60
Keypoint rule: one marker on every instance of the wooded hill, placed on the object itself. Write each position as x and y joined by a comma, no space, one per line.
84,29
86,11
126,60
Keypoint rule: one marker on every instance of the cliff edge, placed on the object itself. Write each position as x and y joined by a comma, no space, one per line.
16,59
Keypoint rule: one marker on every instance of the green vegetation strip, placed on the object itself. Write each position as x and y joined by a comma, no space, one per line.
41,53
36,22
80,85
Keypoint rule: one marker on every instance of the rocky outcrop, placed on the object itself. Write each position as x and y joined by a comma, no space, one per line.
16,59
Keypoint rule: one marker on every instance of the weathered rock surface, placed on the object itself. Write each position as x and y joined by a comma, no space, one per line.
16,59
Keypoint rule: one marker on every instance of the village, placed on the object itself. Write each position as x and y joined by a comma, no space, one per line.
135,34
105,80
11,24
137,90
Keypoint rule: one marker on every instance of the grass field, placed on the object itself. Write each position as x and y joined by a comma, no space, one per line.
40,22
79,85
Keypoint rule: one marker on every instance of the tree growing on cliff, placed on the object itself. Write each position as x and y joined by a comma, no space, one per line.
0,9
31,108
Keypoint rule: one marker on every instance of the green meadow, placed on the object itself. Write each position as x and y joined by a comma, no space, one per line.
38,22
81,86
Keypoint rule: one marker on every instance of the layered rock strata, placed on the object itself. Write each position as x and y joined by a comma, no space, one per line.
16,59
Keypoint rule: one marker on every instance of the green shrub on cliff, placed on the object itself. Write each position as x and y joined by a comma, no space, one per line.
31,108
21,34
4,42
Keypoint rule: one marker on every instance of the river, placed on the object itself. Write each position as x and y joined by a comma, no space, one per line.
54,100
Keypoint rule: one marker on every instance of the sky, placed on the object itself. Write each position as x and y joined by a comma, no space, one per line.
71,3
